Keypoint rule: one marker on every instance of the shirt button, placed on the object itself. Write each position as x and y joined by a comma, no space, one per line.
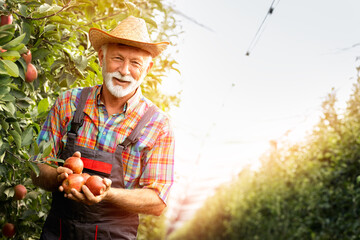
104,133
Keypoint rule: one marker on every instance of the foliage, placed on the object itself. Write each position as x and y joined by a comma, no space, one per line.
308,190
56,32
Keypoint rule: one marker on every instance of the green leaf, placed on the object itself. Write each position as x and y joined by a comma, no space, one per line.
11,107
55,160
48,148
81,62
17,138
26,29
9,192
2,157
34,167
16,126
43,105
27,137
5,80
14,43
9,67
3,169
10,55
8,98
4,124
18,94
36,147
4,90
40,54
49,8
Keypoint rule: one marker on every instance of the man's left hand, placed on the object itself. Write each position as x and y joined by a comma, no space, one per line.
86,195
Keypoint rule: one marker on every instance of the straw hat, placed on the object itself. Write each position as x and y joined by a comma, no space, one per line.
131,31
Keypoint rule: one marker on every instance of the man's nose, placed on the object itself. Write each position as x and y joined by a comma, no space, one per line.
124,69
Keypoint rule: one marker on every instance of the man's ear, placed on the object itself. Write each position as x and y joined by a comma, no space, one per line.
101,56
149,67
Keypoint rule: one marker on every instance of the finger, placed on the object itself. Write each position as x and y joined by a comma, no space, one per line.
76,196
61,177
61,188
60,170
88,194
77,154
107,182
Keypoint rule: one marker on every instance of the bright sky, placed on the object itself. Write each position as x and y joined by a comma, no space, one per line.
298,59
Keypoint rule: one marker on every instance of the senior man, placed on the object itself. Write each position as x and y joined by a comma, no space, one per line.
119,134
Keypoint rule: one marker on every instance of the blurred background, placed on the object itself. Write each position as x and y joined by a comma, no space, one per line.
253,75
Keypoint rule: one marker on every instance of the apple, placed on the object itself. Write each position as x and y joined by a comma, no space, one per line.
73,181
6,19
86,176
31,73
75,164
20,192
96,185
27,56
8,230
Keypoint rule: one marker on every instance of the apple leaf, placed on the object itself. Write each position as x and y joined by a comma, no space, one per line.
47,149
34,167
15,42
9,67
43,105
17,138
9,192
27,136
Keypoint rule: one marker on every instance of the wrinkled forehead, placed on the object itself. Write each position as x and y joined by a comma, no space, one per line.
129,49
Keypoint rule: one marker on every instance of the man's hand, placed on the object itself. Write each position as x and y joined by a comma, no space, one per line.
86,196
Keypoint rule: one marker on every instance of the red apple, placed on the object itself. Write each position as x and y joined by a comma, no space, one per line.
20,192
75,164
6,20
86,176
8,230
27,56
96,185
73,181
31,73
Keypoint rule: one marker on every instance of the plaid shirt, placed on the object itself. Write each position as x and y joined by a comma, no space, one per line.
147,164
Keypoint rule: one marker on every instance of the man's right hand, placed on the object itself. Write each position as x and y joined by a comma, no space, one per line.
63,173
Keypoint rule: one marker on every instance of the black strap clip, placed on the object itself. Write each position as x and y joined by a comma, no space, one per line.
75,126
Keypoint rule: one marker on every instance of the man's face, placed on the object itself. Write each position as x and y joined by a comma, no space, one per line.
124,68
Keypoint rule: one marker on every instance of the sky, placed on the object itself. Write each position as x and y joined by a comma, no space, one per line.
233,105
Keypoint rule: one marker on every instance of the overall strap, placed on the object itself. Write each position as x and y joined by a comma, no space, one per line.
78,118
135,134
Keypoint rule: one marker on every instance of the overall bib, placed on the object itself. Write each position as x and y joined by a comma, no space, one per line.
69,219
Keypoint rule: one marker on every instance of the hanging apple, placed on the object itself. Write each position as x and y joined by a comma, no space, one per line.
8,230
6,19
20,192
31,73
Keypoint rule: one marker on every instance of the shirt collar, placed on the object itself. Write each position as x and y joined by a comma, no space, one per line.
129,105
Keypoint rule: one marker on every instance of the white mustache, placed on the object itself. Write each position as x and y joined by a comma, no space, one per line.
126,78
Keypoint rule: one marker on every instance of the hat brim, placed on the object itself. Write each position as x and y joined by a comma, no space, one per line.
98,38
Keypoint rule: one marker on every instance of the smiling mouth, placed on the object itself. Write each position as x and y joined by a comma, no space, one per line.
120,81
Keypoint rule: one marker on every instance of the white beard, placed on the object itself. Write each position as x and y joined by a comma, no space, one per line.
117,90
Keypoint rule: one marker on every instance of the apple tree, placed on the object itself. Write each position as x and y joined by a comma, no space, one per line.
44,49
